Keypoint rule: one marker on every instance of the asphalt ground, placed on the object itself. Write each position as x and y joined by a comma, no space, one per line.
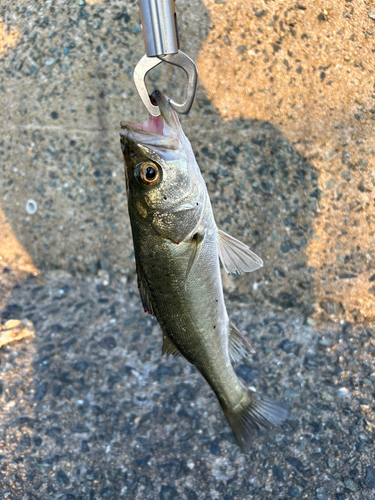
90,409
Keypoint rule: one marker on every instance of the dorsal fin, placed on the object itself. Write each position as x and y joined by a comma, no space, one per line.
239,347
169,347
235,256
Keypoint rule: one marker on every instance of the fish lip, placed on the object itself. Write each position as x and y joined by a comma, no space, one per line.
128,128
132,136
171,129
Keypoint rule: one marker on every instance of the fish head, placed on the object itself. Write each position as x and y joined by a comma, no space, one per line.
164,185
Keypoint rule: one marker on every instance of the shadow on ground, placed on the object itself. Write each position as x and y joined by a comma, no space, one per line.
61,149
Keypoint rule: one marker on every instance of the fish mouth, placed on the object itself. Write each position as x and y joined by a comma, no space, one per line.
157,133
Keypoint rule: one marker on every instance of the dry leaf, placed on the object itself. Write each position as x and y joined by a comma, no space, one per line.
15,329
370,424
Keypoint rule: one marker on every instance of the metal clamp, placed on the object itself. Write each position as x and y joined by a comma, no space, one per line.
181,60
160,34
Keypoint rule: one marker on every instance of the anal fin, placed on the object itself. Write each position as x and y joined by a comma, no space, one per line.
235,256
239,347
169,348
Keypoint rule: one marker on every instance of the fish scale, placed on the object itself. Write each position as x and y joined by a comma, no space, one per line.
177,247
185,319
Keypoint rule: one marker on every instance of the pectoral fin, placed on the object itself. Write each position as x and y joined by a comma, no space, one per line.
169,348
145,297
235,256
196,240
239,347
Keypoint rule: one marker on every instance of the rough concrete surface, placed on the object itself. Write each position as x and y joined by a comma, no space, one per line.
282,126
90,410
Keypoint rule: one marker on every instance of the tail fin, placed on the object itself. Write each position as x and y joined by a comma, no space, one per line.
259,411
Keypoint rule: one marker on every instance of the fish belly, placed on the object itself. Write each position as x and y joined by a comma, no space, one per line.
191,314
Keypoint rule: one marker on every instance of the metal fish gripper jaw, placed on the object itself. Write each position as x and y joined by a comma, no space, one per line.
159,23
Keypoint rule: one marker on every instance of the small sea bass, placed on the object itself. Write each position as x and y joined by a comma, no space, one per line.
177,248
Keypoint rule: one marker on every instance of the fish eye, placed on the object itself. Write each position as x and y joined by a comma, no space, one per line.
149,173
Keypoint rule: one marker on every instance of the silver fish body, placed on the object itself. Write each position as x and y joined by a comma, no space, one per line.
177,247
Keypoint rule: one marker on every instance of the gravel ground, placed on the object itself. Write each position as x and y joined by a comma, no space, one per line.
91,410
282,126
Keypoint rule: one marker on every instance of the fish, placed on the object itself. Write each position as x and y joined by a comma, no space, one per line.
177,248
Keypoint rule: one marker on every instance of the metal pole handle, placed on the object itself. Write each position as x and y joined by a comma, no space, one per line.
159,24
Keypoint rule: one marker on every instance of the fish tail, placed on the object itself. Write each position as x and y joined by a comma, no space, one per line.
258,411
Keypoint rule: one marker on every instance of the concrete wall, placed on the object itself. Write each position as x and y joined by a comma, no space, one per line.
282,126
